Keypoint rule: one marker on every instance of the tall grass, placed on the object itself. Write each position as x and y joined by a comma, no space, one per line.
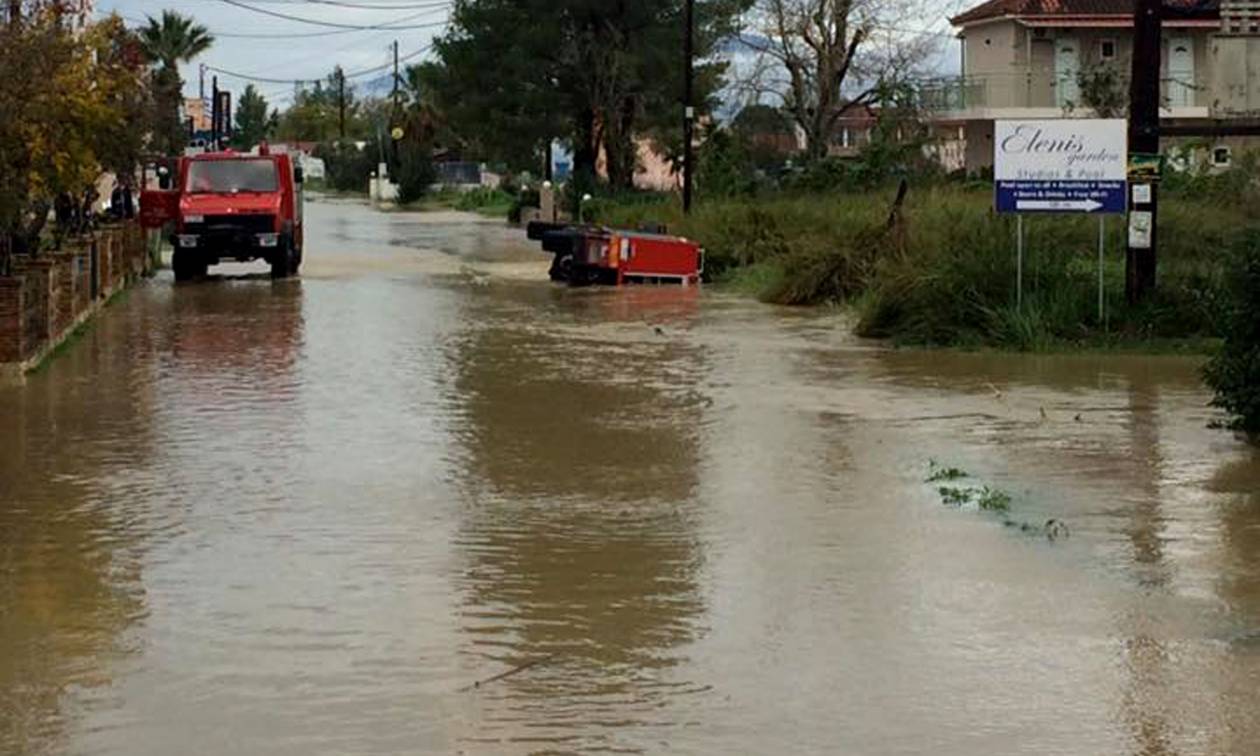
946,274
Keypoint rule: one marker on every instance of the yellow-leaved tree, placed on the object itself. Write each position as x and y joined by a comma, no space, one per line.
71,94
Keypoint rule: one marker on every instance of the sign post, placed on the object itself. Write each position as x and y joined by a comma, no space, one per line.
1102,244
1019,262
1065,165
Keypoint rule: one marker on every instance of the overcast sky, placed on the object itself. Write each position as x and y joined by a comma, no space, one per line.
293,56
309,51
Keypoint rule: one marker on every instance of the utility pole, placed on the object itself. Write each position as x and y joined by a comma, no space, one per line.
395,78
689,111
201,82
341,103
214,113
1139,268
393,143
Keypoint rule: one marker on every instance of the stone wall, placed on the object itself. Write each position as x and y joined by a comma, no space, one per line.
49,295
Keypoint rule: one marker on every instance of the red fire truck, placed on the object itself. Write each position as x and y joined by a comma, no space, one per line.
230,206
586,255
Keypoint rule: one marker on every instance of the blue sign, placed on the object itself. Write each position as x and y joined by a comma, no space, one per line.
1062,196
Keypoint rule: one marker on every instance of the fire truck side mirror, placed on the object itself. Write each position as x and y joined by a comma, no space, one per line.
164,178
298,176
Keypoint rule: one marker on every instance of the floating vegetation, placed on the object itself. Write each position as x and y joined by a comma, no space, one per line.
939,474
994,500
988,499
955,497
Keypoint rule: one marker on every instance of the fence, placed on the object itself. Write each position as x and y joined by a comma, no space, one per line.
458,173
47,296
1042,89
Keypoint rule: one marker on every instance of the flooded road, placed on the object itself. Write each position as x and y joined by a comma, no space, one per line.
422,501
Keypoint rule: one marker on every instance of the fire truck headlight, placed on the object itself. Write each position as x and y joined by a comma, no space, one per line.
194,219
187,240
268,240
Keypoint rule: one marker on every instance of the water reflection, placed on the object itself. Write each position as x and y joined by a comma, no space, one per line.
69,554
579,532
88,492
1238,482
236,329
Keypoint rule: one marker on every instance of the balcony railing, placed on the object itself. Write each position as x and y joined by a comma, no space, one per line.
1042,90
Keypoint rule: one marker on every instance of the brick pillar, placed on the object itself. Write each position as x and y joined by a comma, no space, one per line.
81,270
11,308
61,291
105,246
38,301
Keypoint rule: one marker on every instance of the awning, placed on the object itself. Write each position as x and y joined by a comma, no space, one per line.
1113,22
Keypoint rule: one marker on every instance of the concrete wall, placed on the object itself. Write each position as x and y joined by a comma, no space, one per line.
1012,66
1235,63
979,150
991,49
1196,152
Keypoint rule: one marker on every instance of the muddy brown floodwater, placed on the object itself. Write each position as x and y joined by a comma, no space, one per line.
422,501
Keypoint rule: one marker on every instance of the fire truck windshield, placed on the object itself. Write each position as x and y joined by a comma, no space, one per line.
231,176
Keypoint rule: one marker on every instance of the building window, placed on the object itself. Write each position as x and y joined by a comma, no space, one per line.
1221,157
1107,49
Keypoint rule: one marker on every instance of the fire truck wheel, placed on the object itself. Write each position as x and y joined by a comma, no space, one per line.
282,263
562,267
185,267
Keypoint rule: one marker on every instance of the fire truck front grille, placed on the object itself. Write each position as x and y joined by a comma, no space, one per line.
230,225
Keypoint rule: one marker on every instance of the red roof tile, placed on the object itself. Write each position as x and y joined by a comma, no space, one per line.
1000,8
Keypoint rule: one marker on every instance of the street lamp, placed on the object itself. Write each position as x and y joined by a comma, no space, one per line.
582,207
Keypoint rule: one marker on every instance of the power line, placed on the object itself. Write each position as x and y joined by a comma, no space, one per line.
357,27
433,5
354,75
385,26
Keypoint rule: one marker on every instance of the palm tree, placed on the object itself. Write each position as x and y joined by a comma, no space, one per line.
173,40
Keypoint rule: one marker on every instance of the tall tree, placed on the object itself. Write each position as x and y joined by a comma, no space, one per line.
167,43
252,122
602,74
822,58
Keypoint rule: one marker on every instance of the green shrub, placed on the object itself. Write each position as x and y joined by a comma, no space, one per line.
526,198
1234,372
346,167
414,173
485,200
724,168
946,275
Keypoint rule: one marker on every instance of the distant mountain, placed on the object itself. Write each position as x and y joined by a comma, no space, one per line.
378,87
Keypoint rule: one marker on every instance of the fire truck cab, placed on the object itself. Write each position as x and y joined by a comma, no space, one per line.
230,206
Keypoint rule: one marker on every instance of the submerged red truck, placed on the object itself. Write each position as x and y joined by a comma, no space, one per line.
586,255
231,206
